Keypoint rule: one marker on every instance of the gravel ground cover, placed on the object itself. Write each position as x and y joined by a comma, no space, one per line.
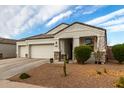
79,76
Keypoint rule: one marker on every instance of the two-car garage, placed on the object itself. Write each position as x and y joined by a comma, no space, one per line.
44,51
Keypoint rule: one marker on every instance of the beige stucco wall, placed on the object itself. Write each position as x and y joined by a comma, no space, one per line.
36,41
77,30
8,50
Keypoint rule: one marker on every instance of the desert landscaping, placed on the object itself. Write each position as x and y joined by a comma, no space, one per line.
78,75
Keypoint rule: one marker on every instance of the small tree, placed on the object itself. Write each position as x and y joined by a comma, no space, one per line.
64,67
82,53
118,52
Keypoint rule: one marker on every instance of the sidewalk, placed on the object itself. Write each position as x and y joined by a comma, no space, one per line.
12,84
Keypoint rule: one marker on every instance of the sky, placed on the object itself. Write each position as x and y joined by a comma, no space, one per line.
18,22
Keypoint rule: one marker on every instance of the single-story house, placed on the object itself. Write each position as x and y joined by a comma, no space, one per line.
7,48
62,40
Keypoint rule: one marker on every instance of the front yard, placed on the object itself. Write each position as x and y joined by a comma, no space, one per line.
79,76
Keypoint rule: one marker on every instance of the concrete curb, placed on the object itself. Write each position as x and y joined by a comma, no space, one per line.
12,84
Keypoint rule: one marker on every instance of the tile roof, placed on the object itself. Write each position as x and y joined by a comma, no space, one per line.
41,36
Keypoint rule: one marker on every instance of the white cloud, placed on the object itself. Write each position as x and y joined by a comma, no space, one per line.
6,16
16,19
59,17
81,9
113,22
119,27
91,9
107,17
78,7
46,13
88,9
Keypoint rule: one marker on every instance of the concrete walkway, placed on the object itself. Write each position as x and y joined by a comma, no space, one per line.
11,67
11,84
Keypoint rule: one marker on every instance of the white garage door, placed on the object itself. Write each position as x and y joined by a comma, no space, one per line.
42,51
22,51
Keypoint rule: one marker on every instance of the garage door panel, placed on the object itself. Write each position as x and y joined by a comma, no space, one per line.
42,51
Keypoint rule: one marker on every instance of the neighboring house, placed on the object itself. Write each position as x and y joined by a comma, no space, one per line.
62,40
7,48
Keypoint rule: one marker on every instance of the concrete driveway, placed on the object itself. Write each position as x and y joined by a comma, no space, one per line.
11,67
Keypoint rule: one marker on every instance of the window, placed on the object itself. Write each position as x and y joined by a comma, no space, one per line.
88,41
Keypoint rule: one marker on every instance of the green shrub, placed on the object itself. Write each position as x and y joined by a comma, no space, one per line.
118,52
82,53
120,82
98,72
24,76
